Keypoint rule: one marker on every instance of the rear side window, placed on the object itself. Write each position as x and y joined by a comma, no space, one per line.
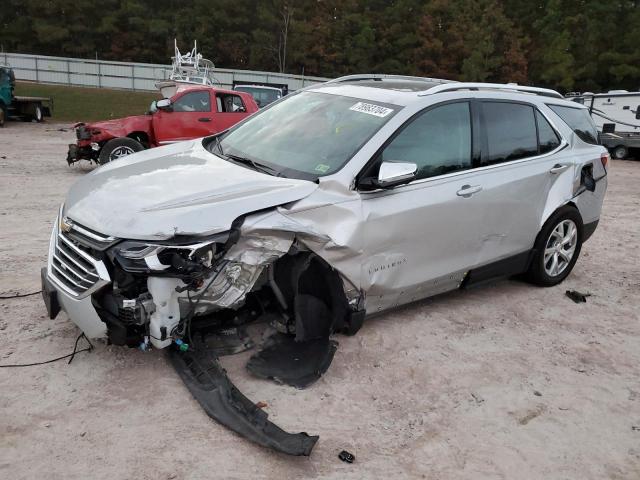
228,103
510,132
579,121
547,136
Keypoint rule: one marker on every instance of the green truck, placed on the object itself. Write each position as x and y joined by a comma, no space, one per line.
25,108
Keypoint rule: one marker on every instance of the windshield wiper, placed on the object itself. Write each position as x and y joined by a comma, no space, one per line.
255,165
218,144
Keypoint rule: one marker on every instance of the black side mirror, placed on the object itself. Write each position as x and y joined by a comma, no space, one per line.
638,112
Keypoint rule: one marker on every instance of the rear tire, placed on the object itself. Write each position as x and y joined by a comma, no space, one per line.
3,114
557,247
118,148
37,114
620,152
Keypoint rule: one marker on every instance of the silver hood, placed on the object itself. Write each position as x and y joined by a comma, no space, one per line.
178,189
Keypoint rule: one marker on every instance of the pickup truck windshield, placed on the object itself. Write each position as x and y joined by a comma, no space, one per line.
306,135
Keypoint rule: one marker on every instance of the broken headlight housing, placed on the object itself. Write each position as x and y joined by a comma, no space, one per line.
188,260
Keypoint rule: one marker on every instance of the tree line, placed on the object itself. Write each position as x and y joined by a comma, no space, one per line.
580,45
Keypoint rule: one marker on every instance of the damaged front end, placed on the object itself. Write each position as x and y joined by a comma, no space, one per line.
188,294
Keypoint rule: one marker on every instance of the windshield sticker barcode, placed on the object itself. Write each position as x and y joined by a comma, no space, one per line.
371,109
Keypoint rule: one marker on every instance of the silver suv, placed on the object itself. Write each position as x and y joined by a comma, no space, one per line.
341,200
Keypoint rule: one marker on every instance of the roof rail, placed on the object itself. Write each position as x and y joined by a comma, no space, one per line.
450,87
382,76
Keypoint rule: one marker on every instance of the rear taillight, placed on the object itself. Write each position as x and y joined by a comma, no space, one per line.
604,158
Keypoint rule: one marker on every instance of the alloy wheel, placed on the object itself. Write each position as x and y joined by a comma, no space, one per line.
560,248
120,152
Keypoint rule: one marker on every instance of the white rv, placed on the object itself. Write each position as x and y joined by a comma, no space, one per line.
617,116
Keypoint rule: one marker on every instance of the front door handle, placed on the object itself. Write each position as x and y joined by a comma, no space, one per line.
558,168
467,190
204,119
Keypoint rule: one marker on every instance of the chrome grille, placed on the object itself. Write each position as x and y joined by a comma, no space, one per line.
72,266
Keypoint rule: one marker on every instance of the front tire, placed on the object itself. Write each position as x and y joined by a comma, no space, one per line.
557,247
3,114
118,148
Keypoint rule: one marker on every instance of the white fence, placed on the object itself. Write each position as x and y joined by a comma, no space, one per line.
132,76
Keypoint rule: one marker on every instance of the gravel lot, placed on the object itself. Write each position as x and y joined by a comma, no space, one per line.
502,381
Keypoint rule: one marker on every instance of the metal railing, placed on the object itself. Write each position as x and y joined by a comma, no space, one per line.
128,75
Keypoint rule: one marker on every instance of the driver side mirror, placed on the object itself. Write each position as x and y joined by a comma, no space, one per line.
164,104
392,174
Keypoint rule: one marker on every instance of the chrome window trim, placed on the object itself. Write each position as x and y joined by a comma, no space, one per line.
563,144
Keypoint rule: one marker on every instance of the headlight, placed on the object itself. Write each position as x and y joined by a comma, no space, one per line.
171,259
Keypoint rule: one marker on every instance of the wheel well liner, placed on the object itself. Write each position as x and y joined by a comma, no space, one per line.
314,295
141,137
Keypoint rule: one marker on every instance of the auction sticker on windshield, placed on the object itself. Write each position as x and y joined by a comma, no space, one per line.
371,109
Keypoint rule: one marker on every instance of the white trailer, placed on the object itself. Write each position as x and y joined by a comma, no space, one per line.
617,116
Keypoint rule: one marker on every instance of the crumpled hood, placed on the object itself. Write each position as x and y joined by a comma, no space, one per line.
116,123
178,189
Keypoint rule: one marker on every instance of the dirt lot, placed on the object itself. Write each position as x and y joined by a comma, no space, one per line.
503,381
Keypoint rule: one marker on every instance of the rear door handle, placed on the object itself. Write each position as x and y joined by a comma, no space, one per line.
467,190
558,168
204,119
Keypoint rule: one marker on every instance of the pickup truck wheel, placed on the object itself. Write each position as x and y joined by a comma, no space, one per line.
620,152
557,247
3,114
37,114
117,148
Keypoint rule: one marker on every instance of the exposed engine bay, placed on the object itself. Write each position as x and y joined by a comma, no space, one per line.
164,292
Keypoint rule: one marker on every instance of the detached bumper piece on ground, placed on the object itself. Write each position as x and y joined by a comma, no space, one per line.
209,384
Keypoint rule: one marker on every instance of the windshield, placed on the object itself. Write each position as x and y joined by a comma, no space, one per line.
307,135
262,96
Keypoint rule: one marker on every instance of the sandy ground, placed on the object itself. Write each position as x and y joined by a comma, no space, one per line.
503,381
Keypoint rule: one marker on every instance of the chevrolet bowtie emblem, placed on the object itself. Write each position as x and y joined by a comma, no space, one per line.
65,224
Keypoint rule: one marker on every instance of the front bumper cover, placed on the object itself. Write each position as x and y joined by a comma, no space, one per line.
80,152
208,383
79,309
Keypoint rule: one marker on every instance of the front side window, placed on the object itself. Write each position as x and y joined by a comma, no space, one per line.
510,132
307,135
547,136
438,141
579,121
193,102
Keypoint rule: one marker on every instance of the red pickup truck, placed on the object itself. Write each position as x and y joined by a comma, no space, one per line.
194,111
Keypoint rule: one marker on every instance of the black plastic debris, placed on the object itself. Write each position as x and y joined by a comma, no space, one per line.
298,364
346,456
577,296
208,383
228,341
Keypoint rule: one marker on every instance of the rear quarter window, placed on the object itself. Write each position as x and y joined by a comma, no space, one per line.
547,137
579,121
